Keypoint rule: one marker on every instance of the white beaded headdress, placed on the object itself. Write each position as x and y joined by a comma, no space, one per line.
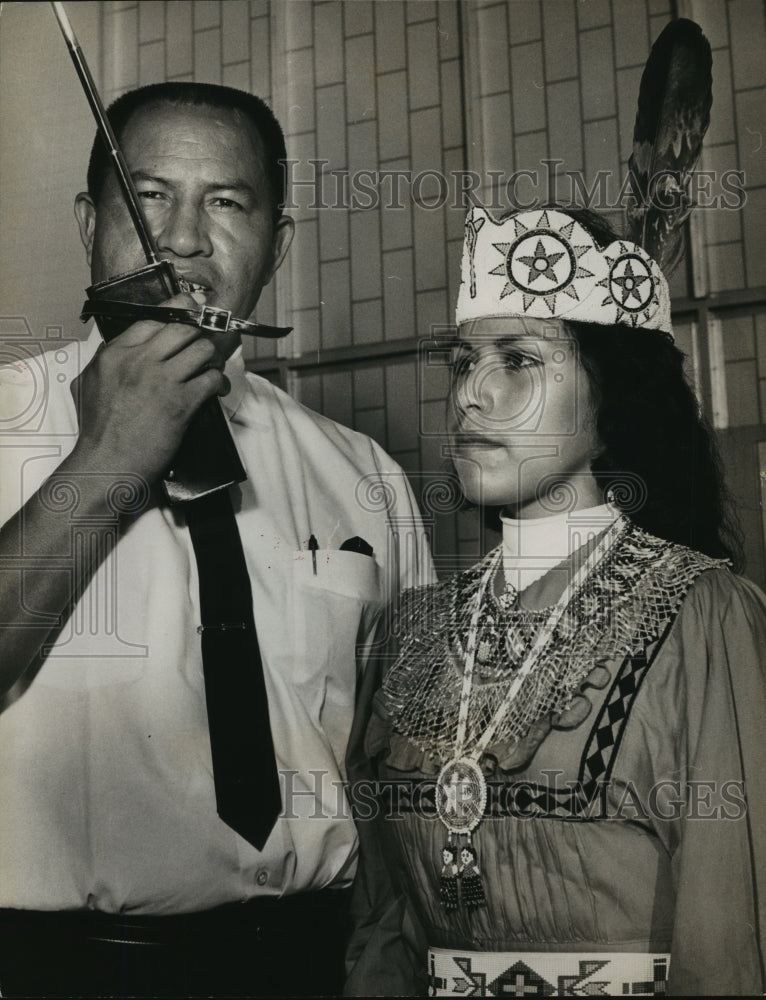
546,265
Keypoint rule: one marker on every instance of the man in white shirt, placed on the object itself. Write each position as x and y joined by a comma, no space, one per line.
117,876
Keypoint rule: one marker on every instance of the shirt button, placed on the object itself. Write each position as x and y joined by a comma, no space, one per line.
261,876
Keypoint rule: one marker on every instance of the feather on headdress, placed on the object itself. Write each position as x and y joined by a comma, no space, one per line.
673,114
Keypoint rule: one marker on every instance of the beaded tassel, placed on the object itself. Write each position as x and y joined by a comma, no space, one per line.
471,885
448,880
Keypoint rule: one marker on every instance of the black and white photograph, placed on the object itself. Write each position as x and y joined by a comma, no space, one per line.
382,498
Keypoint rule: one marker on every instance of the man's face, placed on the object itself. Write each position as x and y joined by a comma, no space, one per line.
200,178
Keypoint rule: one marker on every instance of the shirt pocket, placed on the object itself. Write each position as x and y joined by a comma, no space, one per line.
334,609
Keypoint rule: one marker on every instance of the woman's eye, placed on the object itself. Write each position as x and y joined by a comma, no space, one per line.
513,360
485,360
468,361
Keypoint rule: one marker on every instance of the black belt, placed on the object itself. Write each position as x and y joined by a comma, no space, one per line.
262,919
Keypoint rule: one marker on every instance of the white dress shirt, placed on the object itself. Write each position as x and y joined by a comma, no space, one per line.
106,787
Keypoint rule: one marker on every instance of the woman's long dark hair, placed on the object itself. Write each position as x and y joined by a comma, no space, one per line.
659,455
649,423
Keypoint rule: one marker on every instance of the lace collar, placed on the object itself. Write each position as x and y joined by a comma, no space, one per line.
626,603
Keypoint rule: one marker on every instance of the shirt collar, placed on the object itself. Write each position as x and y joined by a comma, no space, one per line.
237,376
91,345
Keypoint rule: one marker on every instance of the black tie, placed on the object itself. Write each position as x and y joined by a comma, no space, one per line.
247,792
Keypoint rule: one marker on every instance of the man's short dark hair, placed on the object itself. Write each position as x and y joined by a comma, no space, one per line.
196,94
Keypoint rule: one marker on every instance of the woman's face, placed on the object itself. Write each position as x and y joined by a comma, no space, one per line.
521,417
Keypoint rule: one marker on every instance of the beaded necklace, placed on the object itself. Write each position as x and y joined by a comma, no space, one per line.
461,789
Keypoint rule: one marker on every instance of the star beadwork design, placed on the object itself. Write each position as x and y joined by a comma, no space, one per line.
542,263
630,285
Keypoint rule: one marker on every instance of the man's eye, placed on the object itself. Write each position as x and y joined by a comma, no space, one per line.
151,195
227,203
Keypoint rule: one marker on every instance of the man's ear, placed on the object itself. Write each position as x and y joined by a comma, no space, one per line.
283,237
85,213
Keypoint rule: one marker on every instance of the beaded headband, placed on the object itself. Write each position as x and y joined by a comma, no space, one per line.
546,265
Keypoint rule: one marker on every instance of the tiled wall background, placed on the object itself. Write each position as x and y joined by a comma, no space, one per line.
736,241
377,86
486,85
44,118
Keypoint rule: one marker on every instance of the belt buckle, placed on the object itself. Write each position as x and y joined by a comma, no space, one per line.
214,320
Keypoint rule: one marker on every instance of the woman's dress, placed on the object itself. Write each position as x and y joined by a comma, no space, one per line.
641,830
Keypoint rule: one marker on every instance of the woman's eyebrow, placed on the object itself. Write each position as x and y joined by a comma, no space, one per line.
504,342
500,343
515,340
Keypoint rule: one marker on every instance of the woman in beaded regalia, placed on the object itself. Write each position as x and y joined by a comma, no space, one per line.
584,708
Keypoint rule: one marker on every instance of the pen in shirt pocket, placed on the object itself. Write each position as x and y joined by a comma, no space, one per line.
313,546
